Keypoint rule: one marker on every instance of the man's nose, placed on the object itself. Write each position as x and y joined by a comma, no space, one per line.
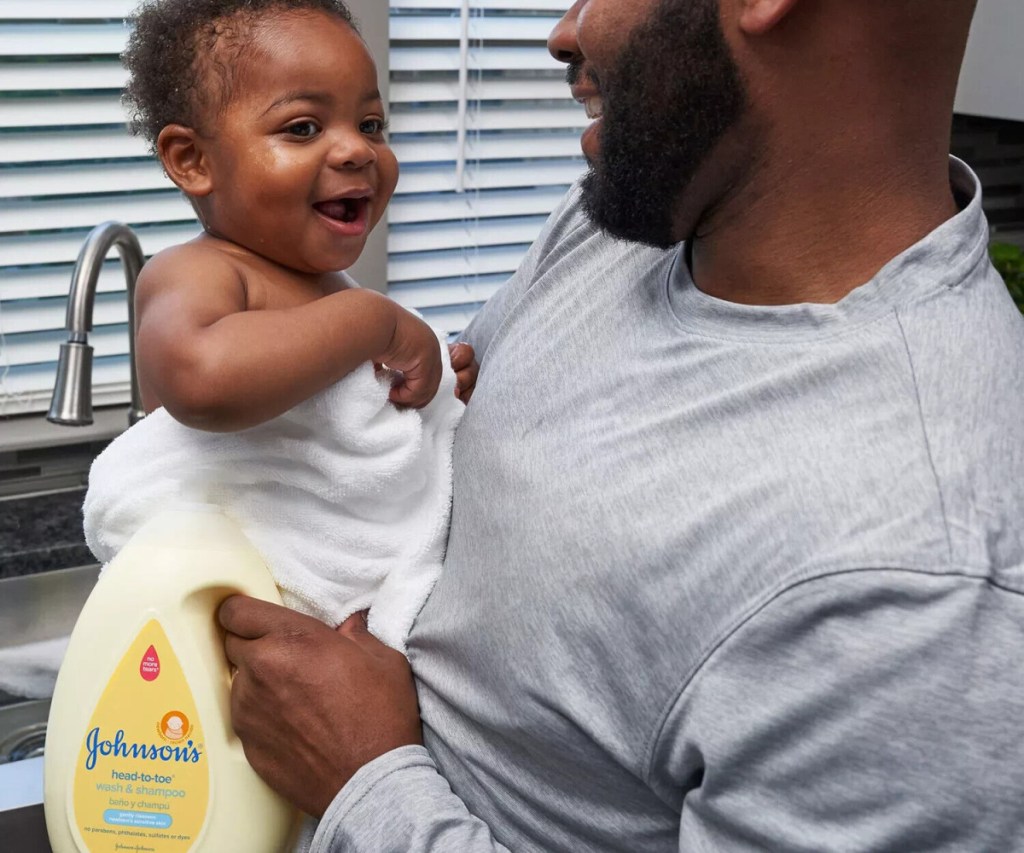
562,43
351,151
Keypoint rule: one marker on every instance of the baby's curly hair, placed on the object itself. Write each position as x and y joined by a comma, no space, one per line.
177,44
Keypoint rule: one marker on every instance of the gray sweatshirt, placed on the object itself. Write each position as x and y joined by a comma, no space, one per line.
724,578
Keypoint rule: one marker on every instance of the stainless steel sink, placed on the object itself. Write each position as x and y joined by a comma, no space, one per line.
22,823
33,608
43,606
23,730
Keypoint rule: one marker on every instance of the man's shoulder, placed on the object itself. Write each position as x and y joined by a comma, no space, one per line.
964,349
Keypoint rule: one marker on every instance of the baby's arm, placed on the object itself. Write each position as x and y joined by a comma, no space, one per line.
218,367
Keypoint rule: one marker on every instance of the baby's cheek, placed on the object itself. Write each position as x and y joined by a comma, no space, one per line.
388,169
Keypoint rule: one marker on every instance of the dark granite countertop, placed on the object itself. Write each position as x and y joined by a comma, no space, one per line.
42,532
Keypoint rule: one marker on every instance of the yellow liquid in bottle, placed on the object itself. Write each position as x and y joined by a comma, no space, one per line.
140,753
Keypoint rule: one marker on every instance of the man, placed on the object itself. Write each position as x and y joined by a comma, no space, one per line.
736,559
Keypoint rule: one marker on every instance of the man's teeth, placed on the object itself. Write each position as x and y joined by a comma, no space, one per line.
594,106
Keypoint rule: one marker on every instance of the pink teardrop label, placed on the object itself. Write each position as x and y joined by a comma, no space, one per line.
149,669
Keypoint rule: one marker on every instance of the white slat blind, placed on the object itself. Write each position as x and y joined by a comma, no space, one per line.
448,251
67,163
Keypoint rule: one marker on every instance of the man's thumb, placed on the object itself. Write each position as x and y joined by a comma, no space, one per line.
354,625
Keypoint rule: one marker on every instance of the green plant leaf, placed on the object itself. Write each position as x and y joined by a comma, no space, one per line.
1009,261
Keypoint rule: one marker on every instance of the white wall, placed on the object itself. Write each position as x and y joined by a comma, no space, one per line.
992,82
372,16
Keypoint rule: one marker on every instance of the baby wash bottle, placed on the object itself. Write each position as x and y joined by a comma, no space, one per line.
140,753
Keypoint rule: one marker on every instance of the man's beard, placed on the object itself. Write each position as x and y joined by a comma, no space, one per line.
674,92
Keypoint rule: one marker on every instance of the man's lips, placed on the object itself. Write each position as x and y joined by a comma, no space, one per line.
593,102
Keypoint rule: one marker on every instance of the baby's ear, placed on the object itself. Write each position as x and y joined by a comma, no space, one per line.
181,151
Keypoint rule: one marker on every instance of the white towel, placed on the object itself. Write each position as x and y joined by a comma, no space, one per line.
346,497
30,670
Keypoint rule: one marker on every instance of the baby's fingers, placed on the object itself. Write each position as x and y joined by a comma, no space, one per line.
462,355
415,389
465,382
408,395
466,369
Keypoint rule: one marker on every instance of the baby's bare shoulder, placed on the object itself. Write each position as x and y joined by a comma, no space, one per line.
196,267
196,259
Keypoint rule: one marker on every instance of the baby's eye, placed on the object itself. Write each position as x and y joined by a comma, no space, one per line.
303,129
373,126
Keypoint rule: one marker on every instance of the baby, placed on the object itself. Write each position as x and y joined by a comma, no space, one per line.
263,365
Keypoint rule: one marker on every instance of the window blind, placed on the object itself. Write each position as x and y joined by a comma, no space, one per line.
449,250
67,163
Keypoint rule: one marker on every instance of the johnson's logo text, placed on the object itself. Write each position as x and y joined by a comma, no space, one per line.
186,753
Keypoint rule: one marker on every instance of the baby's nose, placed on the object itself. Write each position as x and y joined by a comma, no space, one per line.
352,151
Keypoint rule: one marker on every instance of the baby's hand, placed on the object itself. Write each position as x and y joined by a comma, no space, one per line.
466,370
415,353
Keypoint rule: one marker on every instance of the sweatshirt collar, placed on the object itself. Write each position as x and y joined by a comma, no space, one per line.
941,260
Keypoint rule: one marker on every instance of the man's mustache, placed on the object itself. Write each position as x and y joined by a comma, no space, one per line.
577,71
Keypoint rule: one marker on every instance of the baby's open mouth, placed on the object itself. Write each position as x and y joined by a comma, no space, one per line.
342,209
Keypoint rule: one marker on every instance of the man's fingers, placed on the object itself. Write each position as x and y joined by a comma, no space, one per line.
237,651
251,618
354,625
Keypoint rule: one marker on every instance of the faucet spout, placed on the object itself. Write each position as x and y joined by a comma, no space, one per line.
72,394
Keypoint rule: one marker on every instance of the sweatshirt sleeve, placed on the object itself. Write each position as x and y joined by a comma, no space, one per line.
869,710
399,803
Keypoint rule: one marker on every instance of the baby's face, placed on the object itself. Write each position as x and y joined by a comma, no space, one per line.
300,168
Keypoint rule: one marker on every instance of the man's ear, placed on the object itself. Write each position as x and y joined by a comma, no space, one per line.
758,17
181,151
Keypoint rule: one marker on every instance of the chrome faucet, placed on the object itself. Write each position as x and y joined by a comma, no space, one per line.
72,394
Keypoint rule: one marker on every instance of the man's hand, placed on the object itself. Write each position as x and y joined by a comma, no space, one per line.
414,351
466,369
312,705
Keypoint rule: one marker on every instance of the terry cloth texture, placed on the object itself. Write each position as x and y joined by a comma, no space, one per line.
724,578
346,497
